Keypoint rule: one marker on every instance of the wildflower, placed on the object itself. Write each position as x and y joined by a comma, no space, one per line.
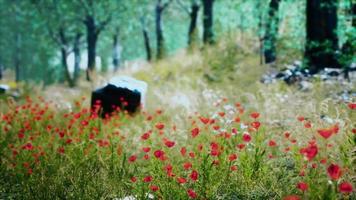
191,194
309,152
325,133
133,179
232,157
254,115
272,143
183,151
147,179
154,188
60,150
300,118
307,125
159,126
194,175
256,125
145,136
187,165
222,114
158,153
292,197
204,120
334,171
28,146
246,137
181,180
132,158
233,168
146,149
195,132
241,146
352,106
169,143
345,187
302,186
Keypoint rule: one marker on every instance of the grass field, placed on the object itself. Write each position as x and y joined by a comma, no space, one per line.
209,130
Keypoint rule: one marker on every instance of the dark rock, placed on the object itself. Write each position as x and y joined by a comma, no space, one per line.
4,89
121,93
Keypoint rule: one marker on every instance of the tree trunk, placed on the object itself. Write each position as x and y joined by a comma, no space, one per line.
271,32
91,42
208,33
147,44
65,67
17,57
64,54
322,40
116,51
77,57
159,31
192,34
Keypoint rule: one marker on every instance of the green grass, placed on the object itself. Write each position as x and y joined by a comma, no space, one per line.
95,163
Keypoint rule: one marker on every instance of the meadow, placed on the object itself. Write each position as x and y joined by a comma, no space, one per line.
203,133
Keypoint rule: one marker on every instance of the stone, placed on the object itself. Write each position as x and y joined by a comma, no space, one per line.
4,88
122,93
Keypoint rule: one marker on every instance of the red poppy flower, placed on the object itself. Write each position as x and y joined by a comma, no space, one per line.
195,132
154,188
28,146
310,152
292,197
204,120
233,168
192,154
61,150
194,175
133,179
146,149
183,151
237,119
222,114
191,194
254,115
21,135
145,136
302,186
272,143
159,126
241,146
334,171
232,157
132,158
325,133
246,137
187,165
300,118
345,187
352,106
169,143
181,180
147,179
256,124
307,125
158,153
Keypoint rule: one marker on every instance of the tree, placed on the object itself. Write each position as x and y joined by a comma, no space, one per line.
160,7
321,38
116,50
96,15
271,32
349,48
193,13
146,39
208,32
61,29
